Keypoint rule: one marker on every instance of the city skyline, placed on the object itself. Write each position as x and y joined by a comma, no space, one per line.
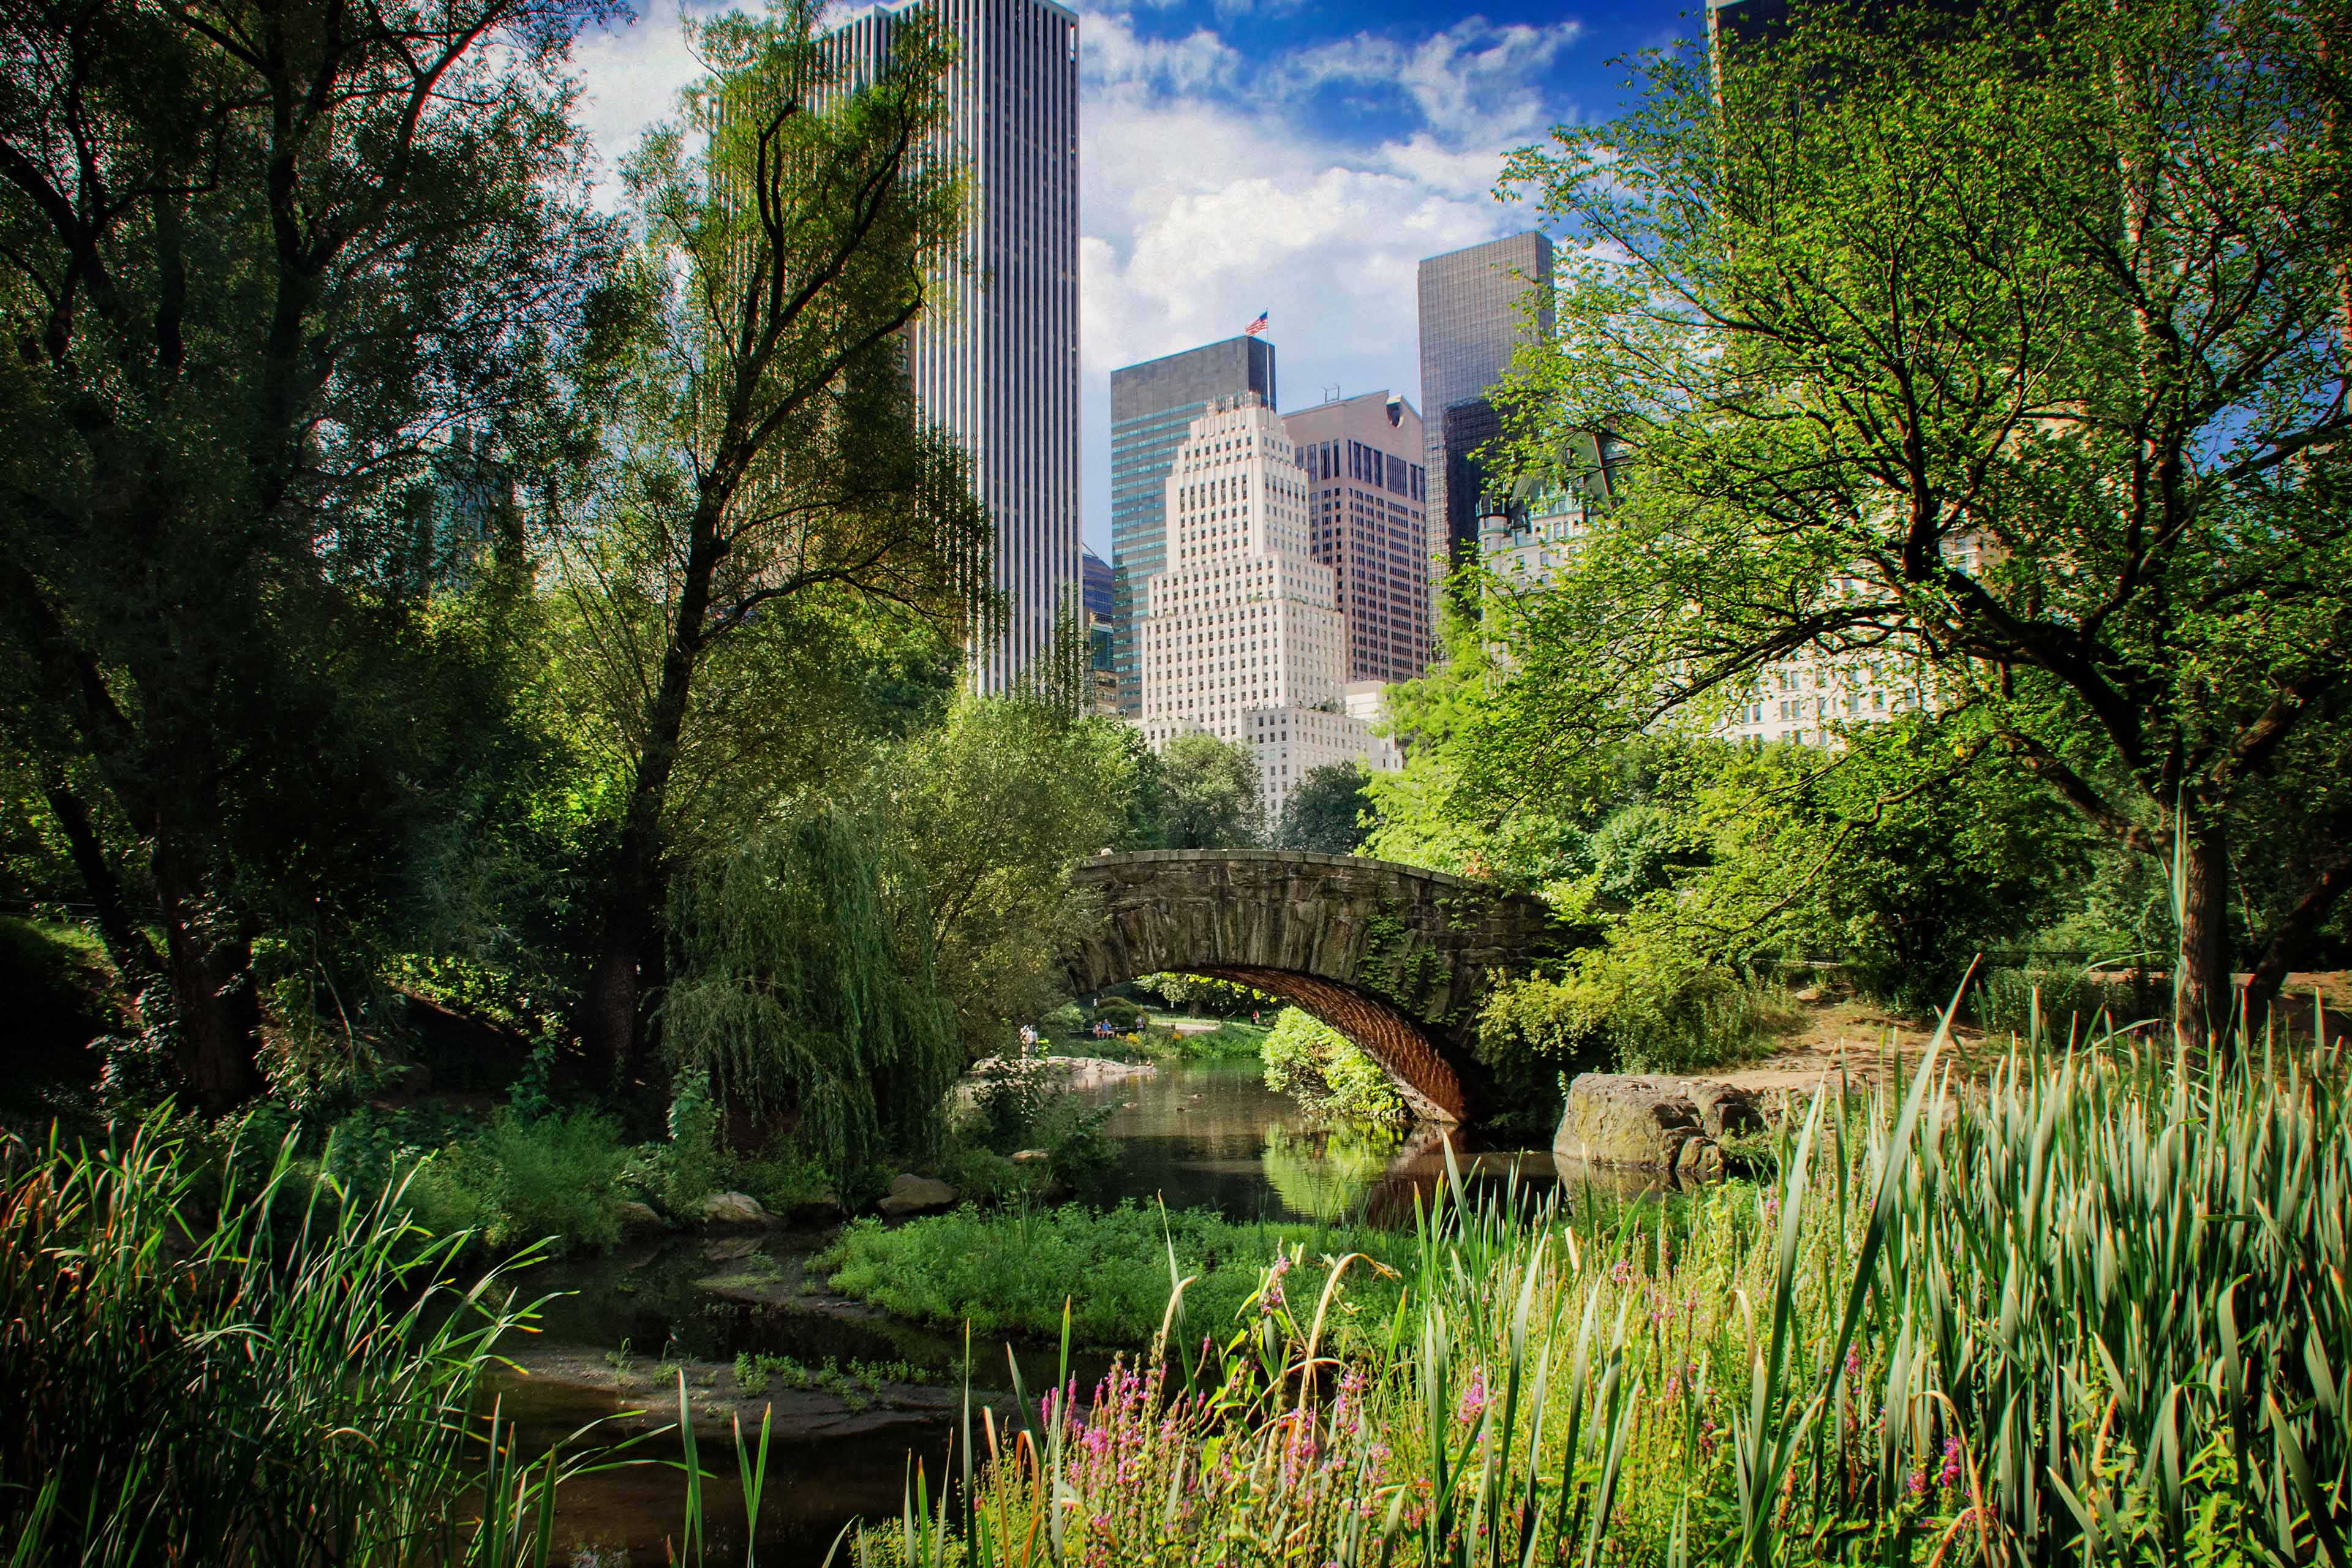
1297,159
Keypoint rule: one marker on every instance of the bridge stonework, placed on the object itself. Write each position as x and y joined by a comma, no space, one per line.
1396,957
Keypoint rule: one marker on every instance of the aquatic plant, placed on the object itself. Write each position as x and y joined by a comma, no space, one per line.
2094,1310
285,1375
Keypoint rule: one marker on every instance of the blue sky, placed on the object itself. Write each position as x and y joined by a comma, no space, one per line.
1292,156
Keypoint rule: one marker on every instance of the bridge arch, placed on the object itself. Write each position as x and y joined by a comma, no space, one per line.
1394,957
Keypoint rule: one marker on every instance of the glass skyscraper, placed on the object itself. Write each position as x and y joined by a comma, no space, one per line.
994,355
1152,406
1473,314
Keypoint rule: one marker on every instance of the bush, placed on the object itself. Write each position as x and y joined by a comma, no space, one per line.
1122,1014
1228,1041
1068,1022
1023,1105
1328,1075
1645,1001
518,1181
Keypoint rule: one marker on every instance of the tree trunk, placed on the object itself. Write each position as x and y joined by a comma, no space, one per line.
134,956
2203,993
2290,936
216,1013
611,1024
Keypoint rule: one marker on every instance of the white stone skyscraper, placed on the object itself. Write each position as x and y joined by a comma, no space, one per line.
994,355
1241,634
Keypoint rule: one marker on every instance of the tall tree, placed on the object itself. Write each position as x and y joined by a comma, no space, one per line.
2014,347
1325,812
257,262
1208,795
766,467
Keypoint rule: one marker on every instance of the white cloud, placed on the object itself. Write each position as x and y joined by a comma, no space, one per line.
630,75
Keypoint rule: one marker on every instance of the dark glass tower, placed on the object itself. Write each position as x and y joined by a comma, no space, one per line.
1152,405
1473,314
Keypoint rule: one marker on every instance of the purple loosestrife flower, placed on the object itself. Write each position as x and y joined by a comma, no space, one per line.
1951,1473
1474,1397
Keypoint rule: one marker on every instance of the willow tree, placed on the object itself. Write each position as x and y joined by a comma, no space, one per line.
767,472
806,988
2015,346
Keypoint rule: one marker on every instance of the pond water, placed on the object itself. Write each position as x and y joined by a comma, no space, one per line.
1207,1135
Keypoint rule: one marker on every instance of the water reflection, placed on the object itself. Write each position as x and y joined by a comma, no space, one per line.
1211,1134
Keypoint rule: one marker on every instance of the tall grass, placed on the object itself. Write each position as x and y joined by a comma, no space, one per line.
284,1374
2094,1310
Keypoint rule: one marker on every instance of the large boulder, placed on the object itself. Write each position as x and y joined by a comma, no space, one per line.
1669,1125
735,1209
635,1215
915,1195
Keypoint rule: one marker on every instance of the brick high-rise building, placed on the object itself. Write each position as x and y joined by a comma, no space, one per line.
1369,522
994,355
1152,406
1473,315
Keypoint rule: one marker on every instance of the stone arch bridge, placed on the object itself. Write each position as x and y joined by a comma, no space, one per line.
1396,957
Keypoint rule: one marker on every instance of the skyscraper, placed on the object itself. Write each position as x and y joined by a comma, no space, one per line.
1368,523
1152,406
1240,635
1473,314
994,355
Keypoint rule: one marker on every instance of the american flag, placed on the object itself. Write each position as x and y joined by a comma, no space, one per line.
1254,328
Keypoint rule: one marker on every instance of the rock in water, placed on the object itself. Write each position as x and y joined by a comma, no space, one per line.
1670,1124
734,1208
915,1195
635,1215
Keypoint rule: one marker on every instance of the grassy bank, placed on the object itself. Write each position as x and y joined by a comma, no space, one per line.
2095,1313
1010,1271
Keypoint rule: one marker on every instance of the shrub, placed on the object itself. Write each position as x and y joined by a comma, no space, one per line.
1122,1014
1228,1041
554,1178
1329,1074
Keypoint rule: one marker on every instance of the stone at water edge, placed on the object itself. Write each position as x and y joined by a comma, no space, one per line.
1653,1123
915,1195
1031,1157
635,1215
734,1208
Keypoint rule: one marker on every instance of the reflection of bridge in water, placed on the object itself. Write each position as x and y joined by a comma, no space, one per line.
1396,957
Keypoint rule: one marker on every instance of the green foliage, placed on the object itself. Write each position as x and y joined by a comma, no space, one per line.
805,986
1209,795
246,343
1019,1105
1014,1271
188,1377
1646,1000
1329,1074
989,810
1122,1014
1068,1021
1223,997
1228,1041
556,1179
693,1166
1324,812
1906,851
1776,260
